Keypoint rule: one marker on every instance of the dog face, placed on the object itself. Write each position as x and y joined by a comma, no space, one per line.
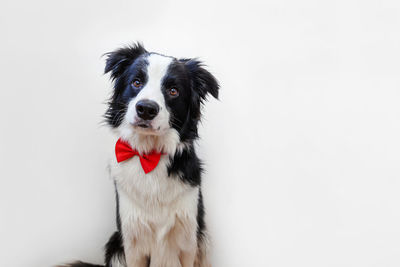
156,95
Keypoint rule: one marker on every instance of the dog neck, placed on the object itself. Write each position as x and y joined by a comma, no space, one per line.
168,143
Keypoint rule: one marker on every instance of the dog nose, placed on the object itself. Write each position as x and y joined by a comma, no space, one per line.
147,109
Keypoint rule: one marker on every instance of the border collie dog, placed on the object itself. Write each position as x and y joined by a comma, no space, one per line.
155,109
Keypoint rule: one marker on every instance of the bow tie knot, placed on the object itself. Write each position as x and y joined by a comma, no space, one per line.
124,151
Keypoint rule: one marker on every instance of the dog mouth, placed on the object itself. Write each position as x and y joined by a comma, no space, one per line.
143,124
145,127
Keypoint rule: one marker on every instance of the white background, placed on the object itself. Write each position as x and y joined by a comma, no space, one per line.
302,151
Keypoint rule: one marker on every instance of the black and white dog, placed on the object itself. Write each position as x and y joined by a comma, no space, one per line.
155,109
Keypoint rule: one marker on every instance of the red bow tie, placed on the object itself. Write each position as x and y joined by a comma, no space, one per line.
124,151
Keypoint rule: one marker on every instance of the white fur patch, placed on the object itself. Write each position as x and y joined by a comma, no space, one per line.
158,214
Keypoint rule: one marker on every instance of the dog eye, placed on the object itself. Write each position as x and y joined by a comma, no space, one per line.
136,84
173,92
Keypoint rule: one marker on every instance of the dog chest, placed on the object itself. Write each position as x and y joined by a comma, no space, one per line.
155,207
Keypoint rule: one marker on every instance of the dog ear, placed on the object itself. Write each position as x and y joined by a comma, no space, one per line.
118,60
203,81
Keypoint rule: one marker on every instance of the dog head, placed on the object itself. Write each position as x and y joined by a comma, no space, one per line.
156,101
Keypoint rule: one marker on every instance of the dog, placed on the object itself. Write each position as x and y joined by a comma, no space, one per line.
154,110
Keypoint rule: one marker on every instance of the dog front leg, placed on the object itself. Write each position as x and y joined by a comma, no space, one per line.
165,255
187,258
133,256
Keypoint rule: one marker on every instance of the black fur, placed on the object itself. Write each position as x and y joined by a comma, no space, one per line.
194,83
118,64
188,165
114,247
201,225
118,218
